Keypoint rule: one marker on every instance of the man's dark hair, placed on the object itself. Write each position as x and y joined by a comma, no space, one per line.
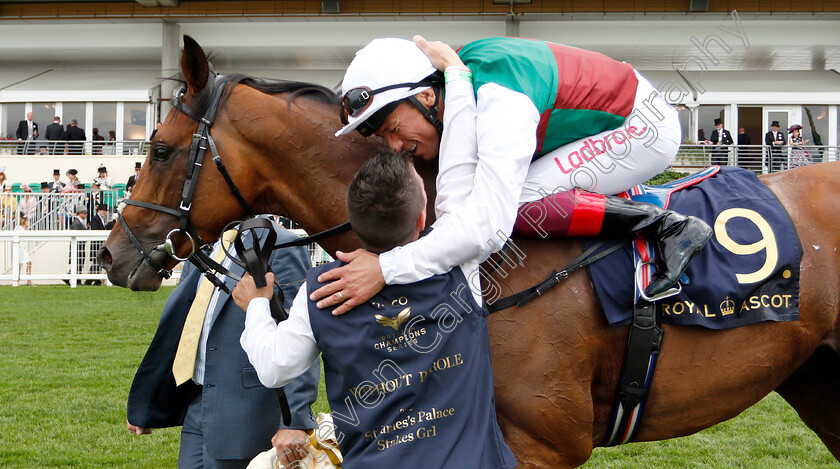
384,201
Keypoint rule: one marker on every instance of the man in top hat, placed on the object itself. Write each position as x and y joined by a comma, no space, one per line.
775,140
98,222
132,180
721,138
54,133
79,222
56,185
27,131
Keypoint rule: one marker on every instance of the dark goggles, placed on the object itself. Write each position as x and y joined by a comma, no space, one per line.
355,101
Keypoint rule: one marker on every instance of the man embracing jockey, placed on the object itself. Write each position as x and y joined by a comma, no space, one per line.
408,373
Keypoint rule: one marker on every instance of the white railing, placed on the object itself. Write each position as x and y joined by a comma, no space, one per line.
54,211
759,158
74,147
58,256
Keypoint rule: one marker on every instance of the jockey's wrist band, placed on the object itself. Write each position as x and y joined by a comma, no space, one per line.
454,74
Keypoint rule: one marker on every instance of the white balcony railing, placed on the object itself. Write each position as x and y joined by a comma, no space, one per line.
75,147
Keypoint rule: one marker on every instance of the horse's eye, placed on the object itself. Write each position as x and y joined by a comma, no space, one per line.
161,152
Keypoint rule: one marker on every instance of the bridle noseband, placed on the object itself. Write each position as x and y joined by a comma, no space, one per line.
202,140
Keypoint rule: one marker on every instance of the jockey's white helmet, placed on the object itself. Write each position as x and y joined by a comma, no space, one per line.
382,63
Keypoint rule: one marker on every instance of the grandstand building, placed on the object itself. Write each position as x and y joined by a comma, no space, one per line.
101,62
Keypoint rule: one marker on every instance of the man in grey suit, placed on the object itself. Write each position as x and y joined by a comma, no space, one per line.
228,417
27,131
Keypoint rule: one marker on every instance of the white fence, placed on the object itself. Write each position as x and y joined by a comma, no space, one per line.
59,256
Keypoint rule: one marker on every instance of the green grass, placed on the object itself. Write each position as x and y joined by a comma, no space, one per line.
69,356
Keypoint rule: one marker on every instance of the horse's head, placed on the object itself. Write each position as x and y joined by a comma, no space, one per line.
181,195
276,141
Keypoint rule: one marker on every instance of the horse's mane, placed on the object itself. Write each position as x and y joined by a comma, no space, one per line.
201,100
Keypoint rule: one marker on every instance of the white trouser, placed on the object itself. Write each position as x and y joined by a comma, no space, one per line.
615,160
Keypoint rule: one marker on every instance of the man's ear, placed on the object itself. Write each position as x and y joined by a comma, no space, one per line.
421,221
426,97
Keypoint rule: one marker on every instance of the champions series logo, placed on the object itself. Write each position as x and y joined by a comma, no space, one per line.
397,340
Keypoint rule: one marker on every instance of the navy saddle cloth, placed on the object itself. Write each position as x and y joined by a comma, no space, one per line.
747,273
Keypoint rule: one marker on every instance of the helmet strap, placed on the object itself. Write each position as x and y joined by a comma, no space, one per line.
431,113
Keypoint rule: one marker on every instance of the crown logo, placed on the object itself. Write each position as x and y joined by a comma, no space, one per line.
394,322
727,307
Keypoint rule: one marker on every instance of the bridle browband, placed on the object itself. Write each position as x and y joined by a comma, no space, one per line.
202,140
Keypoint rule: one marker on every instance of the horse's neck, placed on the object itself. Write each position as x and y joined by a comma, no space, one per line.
312,169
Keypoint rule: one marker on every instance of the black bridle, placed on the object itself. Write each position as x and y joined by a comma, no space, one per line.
202,140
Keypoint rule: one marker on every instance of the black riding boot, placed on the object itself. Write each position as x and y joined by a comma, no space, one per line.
676,238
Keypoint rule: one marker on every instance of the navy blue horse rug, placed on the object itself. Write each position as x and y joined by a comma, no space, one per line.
747,273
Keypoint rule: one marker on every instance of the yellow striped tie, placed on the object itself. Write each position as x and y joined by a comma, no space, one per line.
183,368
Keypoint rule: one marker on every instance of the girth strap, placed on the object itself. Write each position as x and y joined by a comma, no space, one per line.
643,347
555,277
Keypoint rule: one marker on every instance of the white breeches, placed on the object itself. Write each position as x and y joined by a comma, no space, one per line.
615,160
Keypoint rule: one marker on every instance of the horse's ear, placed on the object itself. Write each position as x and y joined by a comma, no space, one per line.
194,65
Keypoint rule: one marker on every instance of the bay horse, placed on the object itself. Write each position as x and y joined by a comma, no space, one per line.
556,361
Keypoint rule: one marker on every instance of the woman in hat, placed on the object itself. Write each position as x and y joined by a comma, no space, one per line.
521,124
24,259
28,205
72,177
103,180
3,182
798,155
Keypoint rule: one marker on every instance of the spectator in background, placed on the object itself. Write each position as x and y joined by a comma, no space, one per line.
96,148
98,222
28,204
57,185
79,222
54,134
157,126
46,206
109,148
24,259
798,155
746,156
103,180
721,138
93,198
132,180
3,182
8,207
775,140
27,132
74,136
743,138
701,137
72,178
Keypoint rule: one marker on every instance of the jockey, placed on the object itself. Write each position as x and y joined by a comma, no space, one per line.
549,119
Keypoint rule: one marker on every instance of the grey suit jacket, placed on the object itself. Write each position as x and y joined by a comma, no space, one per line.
241,415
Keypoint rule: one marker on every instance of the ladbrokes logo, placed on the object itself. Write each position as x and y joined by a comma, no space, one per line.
593,148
